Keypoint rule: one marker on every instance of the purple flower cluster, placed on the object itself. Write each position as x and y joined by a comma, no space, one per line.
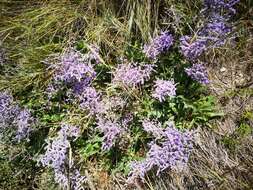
198,72
90,100
111,130
215,32
77,180
171,150
56,157
74,68
15,117
191,48
6,109
56,148
217,5
158,45
23,122
163,89
132,75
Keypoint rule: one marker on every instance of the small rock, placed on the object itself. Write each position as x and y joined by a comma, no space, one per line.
223,69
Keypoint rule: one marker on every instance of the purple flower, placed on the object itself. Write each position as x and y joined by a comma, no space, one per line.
192,48
164,89
111,131
61,178
171,151
74,68
13,116
132,75
218,5
6,100
158,45
56,157
198,72
217,30
69,131
24,121
127,119
6,109
90,100
55,154
77,180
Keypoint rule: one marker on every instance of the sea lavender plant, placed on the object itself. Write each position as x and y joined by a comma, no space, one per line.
6,109
15,117
198,72
56,156
193,48
171,150
215,31
23,121
90,100
111,131
218,5
163,89
77,180
132,75
74,68
158,45
6,100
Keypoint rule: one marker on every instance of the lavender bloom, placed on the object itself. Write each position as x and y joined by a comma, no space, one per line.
216,30
164,89
69,131
111,131
198,72
192,49
6,101
56,157
90,100
138,170
216,5
55,154
131,74
12,115
77,180
23,121
56,148
170,152
126,120
61,178
75,68
158,45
